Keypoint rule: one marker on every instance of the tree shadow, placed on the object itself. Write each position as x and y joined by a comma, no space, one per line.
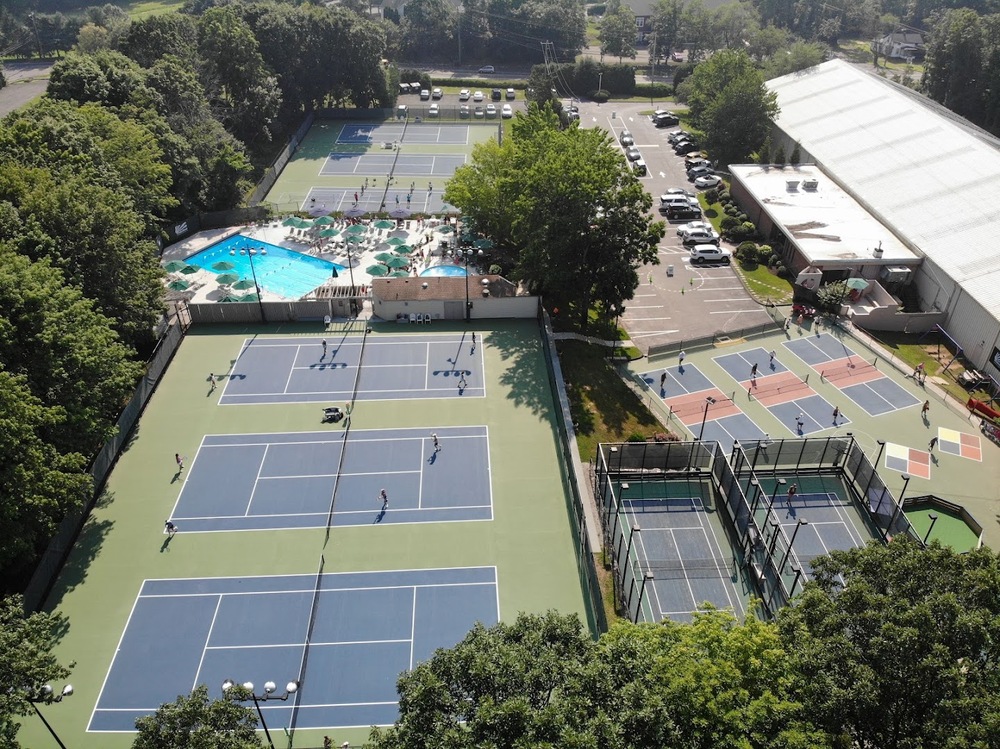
525,373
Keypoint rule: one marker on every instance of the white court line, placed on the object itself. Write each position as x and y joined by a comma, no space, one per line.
118,649
256,481
726,582
478,584
420,482
731,311
265,646
204,649
414,509
413,625
851,530
687,578
427,368
355,440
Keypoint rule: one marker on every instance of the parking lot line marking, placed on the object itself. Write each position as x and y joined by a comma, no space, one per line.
732,311
646,306
657,332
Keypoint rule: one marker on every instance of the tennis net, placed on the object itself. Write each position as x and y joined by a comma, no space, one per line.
849,370
674,569
690,408
787,386
308,641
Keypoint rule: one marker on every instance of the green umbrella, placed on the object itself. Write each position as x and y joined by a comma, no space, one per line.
225,279
399,274
244,284
354,240
251,297
175,266
403,249
445,229
329,232
189,269
179,285
223,265
324,221
398,262
395,241
228,298
376,270
383,224
293,221
384,257
356,229
484,244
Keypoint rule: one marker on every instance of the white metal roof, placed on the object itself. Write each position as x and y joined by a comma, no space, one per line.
829,226
930,176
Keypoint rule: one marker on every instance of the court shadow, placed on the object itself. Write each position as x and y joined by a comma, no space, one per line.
379,517
934,459
85,551
432,458
165,546
176,477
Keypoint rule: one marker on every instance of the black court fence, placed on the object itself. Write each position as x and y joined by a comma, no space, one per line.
52,561
719,337
569,464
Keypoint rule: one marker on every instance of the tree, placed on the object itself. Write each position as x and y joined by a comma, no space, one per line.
798,56
569,215
26,662
196,722
667,16
618,33
902,651
730,104
428,29
699,34
733,24
954,62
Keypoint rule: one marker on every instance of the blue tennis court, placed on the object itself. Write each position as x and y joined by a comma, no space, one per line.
297,370
680,379
824,525
345,637
401,165
399,202
728,429
820,348
686,557
880,396
244,482
421,134
740,365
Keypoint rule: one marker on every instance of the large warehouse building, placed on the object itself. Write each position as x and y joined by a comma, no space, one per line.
926,179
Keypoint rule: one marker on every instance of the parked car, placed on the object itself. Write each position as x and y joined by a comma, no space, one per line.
665,119
632,153
496,94
678,191
699,171
639,167
464,95
709,253
491,110
463,111
479,113
487,70
511,95
703,236
677,56
678,135
434,110
694,159
685,229
425,94
683,212
478,96
507,112
626,139
684,147
437,93
709,180
401,112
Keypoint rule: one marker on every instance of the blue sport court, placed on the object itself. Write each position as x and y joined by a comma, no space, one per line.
345,637
417,134
242,482
403,165
739,365
826,525
681,549
880,396
296,370
321,200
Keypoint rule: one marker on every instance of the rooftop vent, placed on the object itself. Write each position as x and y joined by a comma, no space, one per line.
810,184
791,185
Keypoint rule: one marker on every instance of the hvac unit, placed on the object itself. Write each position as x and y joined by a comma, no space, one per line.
810,184
894,275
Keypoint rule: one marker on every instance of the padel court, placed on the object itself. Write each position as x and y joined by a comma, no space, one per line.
401,165
672,539
298,370
244,482
845,369
345,637
410,132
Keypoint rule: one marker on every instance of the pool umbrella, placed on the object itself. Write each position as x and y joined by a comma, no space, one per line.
383,224
227,278
356,229
399,274
223,265
377,270
399,213
324,221
251,297
403,249
189,269
445,229
179,285
858,284
329,232
399,234
395,241
175,266
244,284
354,240
295,222
355,212
483,244
384,257
398,262
228,298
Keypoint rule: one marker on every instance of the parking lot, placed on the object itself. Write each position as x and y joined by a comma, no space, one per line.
690,302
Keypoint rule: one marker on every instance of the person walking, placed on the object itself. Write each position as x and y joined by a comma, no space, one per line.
384,498
324,348
180,462
473,349
932,444
836,414
663,380
924,409
753,371
792,491
437,445
772,360
799,423
170,529
680,358
355,198
211,379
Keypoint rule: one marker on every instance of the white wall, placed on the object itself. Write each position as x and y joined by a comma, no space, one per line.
482,309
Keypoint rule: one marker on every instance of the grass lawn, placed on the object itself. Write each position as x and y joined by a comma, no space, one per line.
146,8
603,407
859,51
763,284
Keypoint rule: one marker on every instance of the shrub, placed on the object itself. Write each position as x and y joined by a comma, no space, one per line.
636,437
496,270
781,270
831,295
742,217
724,196
654,90
728,223
712,196
772,260
600,96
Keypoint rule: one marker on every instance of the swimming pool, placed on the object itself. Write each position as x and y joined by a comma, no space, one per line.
445,270
287,273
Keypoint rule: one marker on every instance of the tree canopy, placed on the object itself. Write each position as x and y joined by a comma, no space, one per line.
618,32
196,722
568,216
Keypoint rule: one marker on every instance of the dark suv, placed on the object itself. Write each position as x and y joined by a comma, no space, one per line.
496,94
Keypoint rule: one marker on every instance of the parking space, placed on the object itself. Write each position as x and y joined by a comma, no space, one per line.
675,301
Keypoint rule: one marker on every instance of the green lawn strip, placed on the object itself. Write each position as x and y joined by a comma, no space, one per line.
604,408
764,285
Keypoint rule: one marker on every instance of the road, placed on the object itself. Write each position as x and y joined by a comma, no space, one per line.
25,81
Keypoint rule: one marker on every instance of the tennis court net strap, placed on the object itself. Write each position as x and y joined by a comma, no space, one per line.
788,386
862,367
673,569
690,408
308,640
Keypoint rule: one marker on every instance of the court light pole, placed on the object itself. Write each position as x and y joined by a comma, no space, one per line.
646,578
467,255
269,687
631,536
709,401
253,272
802,521
934,519
756,496
47,696
777,484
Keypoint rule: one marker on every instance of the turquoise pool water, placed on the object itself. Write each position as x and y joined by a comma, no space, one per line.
283,272
445,270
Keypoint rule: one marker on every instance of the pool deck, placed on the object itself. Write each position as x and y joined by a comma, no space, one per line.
205,289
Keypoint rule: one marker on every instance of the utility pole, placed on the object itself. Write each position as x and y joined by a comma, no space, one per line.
652,66
38,42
